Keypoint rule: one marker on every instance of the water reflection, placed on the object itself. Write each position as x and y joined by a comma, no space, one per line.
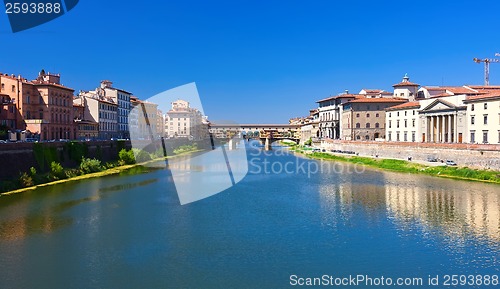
457,209
23,218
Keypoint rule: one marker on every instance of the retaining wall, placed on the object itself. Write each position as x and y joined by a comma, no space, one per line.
470,155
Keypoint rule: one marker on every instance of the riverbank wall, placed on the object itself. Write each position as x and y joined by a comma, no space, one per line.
16,158
477,156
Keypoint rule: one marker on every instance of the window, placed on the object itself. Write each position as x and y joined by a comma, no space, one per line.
3,86
397,113
367,115
472,107
397,136
390,124
405,136
472,136
377,115
485,119
367,125
414,112
358,137
367,137
406,123
13,88
358,125
413,136
472,119
389,136
485,105
406,113
357,114
413,123
485,136
377,125
397,124
389,114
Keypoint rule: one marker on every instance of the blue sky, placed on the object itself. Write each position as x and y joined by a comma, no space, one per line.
259,61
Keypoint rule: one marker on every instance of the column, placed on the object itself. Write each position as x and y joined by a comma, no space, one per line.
426,130
455,121
441,133
449,129
431,131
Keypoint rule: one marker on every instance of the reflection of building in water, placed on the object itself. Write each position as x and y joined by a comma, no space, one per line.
338,200
452,209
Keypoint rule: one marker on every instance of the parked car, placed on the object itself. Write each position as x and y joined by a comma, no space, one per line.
316,150
450,163
432,159
3,141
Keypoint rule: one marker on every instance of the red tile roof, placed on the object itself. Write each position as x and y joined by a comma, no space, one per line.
406,105
452,89
491,94
346,95
375,100
375,91
406,83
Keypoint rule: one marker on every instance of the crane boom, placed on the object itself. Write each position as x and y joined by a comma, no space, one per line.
487,62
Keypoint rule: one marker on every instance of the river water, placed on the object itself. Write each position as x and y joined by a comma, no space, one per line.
267,231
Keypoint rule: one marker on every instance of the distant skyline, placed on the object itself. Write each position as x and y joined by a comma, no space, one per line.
256,61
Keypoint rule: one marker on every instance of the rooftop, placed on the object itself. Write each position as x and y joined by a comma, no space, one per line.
406,105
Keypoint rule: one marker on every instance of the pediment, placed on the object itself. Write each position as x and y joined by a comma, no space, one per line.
439,104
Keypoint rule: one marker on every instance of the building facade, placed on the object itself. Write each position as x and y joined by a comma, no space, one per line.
330,114
122,99
183,121
364,118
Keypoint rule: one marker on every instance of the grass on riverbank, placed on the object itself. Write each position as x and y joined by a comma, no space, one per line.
462,173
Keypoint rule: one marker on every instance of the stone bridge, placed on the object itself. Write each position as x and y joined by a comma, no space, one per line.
265,133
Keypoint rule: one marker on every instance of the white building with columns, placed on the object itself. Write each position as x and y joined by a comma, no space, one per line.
447,114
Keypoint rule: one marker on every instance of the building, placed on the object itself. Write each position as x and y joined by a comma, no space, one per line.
440,114
330,114
143,120
85,129
160,123
483,117
42,106
375,93
364,118
122,99
9,98
48,107
309,127
101,110
183,121
406,89
402,122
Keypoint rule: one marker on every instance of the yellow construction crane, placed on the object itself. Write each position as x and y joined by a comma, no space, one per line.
487,62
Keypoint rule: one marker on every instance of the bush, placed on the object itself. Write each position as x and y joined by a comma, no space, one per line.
71,173
25,180
56,171
90,166
126,157
142,156
308,142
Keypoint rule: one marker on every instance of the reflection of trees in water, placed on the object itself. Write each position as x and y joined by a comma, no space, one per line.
49,219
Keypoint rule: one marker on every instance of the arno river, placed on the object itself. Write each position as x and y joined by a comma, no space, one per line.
268,231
